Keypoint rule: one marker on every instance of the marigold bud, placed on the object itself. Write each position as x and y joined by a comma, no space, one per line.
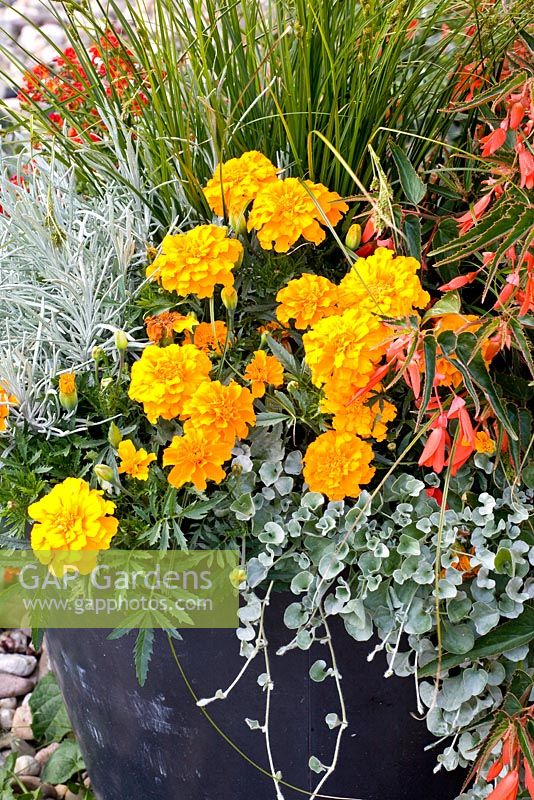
229,297
238,222
103,472
114,435
354,236
121,341
237,576
68,394
97,353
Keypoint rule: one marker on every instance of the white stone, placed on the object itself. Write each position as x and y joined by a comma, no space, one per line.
17,664
6,718
22,724
27,765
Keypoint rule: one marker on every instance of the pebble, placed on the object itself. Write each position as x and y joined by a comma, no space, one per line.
14,686
61,790
33,783
8,702
43,755
22,723
27,765
6,718
17,664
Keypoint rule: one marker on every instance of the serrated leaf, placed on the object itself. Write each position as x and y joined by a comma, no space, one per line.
50,722
450,303
288,361
522,342
412,185
430,347
471,358
144,645
491,95
412,230
265,418
64,763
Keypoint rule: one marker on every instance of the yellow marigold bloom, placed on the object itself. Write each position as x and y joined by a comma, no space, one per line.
225,410
165,377
384,284
347,346
196,457
236,183
209,340
484,443
446,373
134,462
196,261
263,370
163,326
338,464
72,516
307,300
283,211
6,400
367,416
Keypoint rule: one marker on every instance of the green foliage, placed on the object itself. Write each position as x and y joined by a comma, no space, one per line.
268,76
50,720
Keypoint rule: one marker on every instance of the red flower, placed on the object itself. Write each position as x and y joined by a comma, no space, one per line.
507,788
526,165
492,141
439,440
467,220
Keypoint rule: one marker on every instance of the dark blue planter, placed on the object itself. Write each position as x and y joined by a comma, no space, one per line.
154,743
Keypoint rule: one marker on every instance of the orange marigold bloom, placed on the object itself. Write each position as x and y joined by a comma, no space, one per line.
307,300
196,457
225,410
484,443
6,400
196,261
163,326
384,284
236,182
283,211
347,346
67,383
209,340
446,373
338,464
367,416
165,377
263,370
134,462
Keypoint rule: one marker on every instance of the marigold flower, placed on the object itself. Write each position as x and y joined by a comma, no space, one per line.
283,211
165,377
210,337
163,326
236,183
6,400
196,457
338,464
307,300
263,370
72,516
196,261
225,410
347,346
134,462
484,443
366,416
384,284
